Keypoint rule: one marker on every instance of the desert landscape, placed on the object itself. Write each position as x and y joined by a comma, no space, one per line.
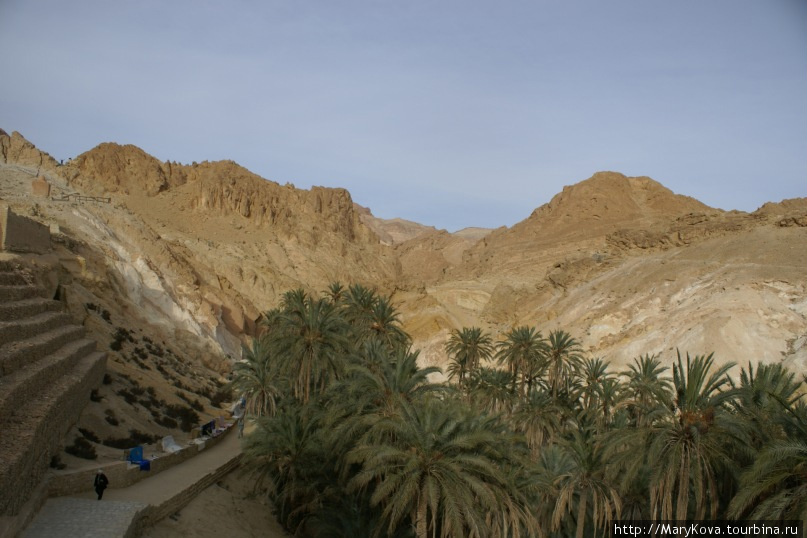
174,268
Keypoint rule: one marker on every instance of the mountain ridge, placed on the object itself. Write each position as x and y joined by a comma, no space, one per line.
227,243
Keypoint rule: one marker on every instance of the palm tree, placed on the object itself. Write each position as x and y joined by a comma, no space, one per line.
255,377
538,418
440,469
336,292
492,389
592,372
692,445
524,351
646,391
563,355
765,397
389,381
286,453
311,343
358,303
585,479
385,324
775,487
466,349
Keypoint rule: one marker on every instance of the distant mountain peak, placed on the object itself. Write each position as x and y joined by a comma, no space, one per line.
613,198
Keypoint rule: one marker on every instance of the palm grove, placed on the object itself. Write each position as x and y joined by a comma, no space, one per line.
529,438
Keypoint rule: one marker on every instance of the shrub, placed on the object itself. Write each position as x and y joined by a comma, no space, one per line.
136,437
107,379
56,462
188,417
128,396
167,422
81,448
110,417
94,396
221,396
89,435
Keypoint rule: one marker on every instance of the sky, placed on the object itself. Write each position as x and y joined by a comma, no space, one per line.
449,113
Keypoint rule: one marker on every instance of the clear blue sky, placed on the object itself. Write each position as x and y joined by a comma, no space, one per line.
450,113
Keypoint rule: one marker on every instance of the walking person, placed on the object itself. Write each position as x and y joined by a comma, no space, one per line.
101,482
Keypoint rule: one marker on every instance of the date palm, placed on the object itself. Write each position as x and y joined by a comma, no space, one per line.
538,418
693,445
466,348
647,391
563,355
764,397
390,380
311,343
357,304
285,453
492,389
385,325
441,470
524,351
585,480
256,378
775,486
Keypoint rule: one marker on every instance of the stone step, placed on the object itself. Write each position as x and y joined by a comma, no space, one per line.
8,266
26,308
35,431
12,279
9,293
27,383
24,328
16,355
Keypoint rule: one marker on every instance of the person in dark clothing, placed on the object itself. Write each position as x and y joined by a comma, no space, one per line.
101,482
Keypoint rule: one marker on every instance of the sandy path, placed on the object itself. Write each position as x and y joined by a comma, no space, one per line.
227,508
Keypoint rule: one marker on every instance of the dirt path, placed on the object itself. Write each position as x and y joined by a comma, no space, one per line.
226,508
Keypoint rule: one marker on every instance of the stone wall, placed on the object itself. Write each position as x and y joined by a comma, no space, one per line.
21,234
154,514
47,436
122,474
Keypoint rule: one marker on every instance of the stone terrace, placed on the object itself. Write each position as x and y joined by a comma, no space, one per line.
47,371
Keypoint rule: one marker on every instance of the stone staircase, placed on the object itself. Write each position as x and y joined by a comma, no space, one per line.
47,371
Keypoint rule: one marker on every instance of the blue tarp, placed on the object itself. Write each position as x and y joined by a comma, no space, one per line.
136,454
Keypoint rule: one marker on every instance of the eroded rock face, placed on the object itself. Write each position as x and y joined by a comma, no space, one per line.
223,188
15,149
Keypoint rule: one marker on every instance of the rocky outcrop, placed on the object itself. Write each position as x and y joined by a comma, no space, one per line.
223,188
15,149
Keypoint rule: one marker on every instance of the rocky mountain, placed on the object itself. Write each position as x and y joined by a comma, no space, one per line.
621,262
392,231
